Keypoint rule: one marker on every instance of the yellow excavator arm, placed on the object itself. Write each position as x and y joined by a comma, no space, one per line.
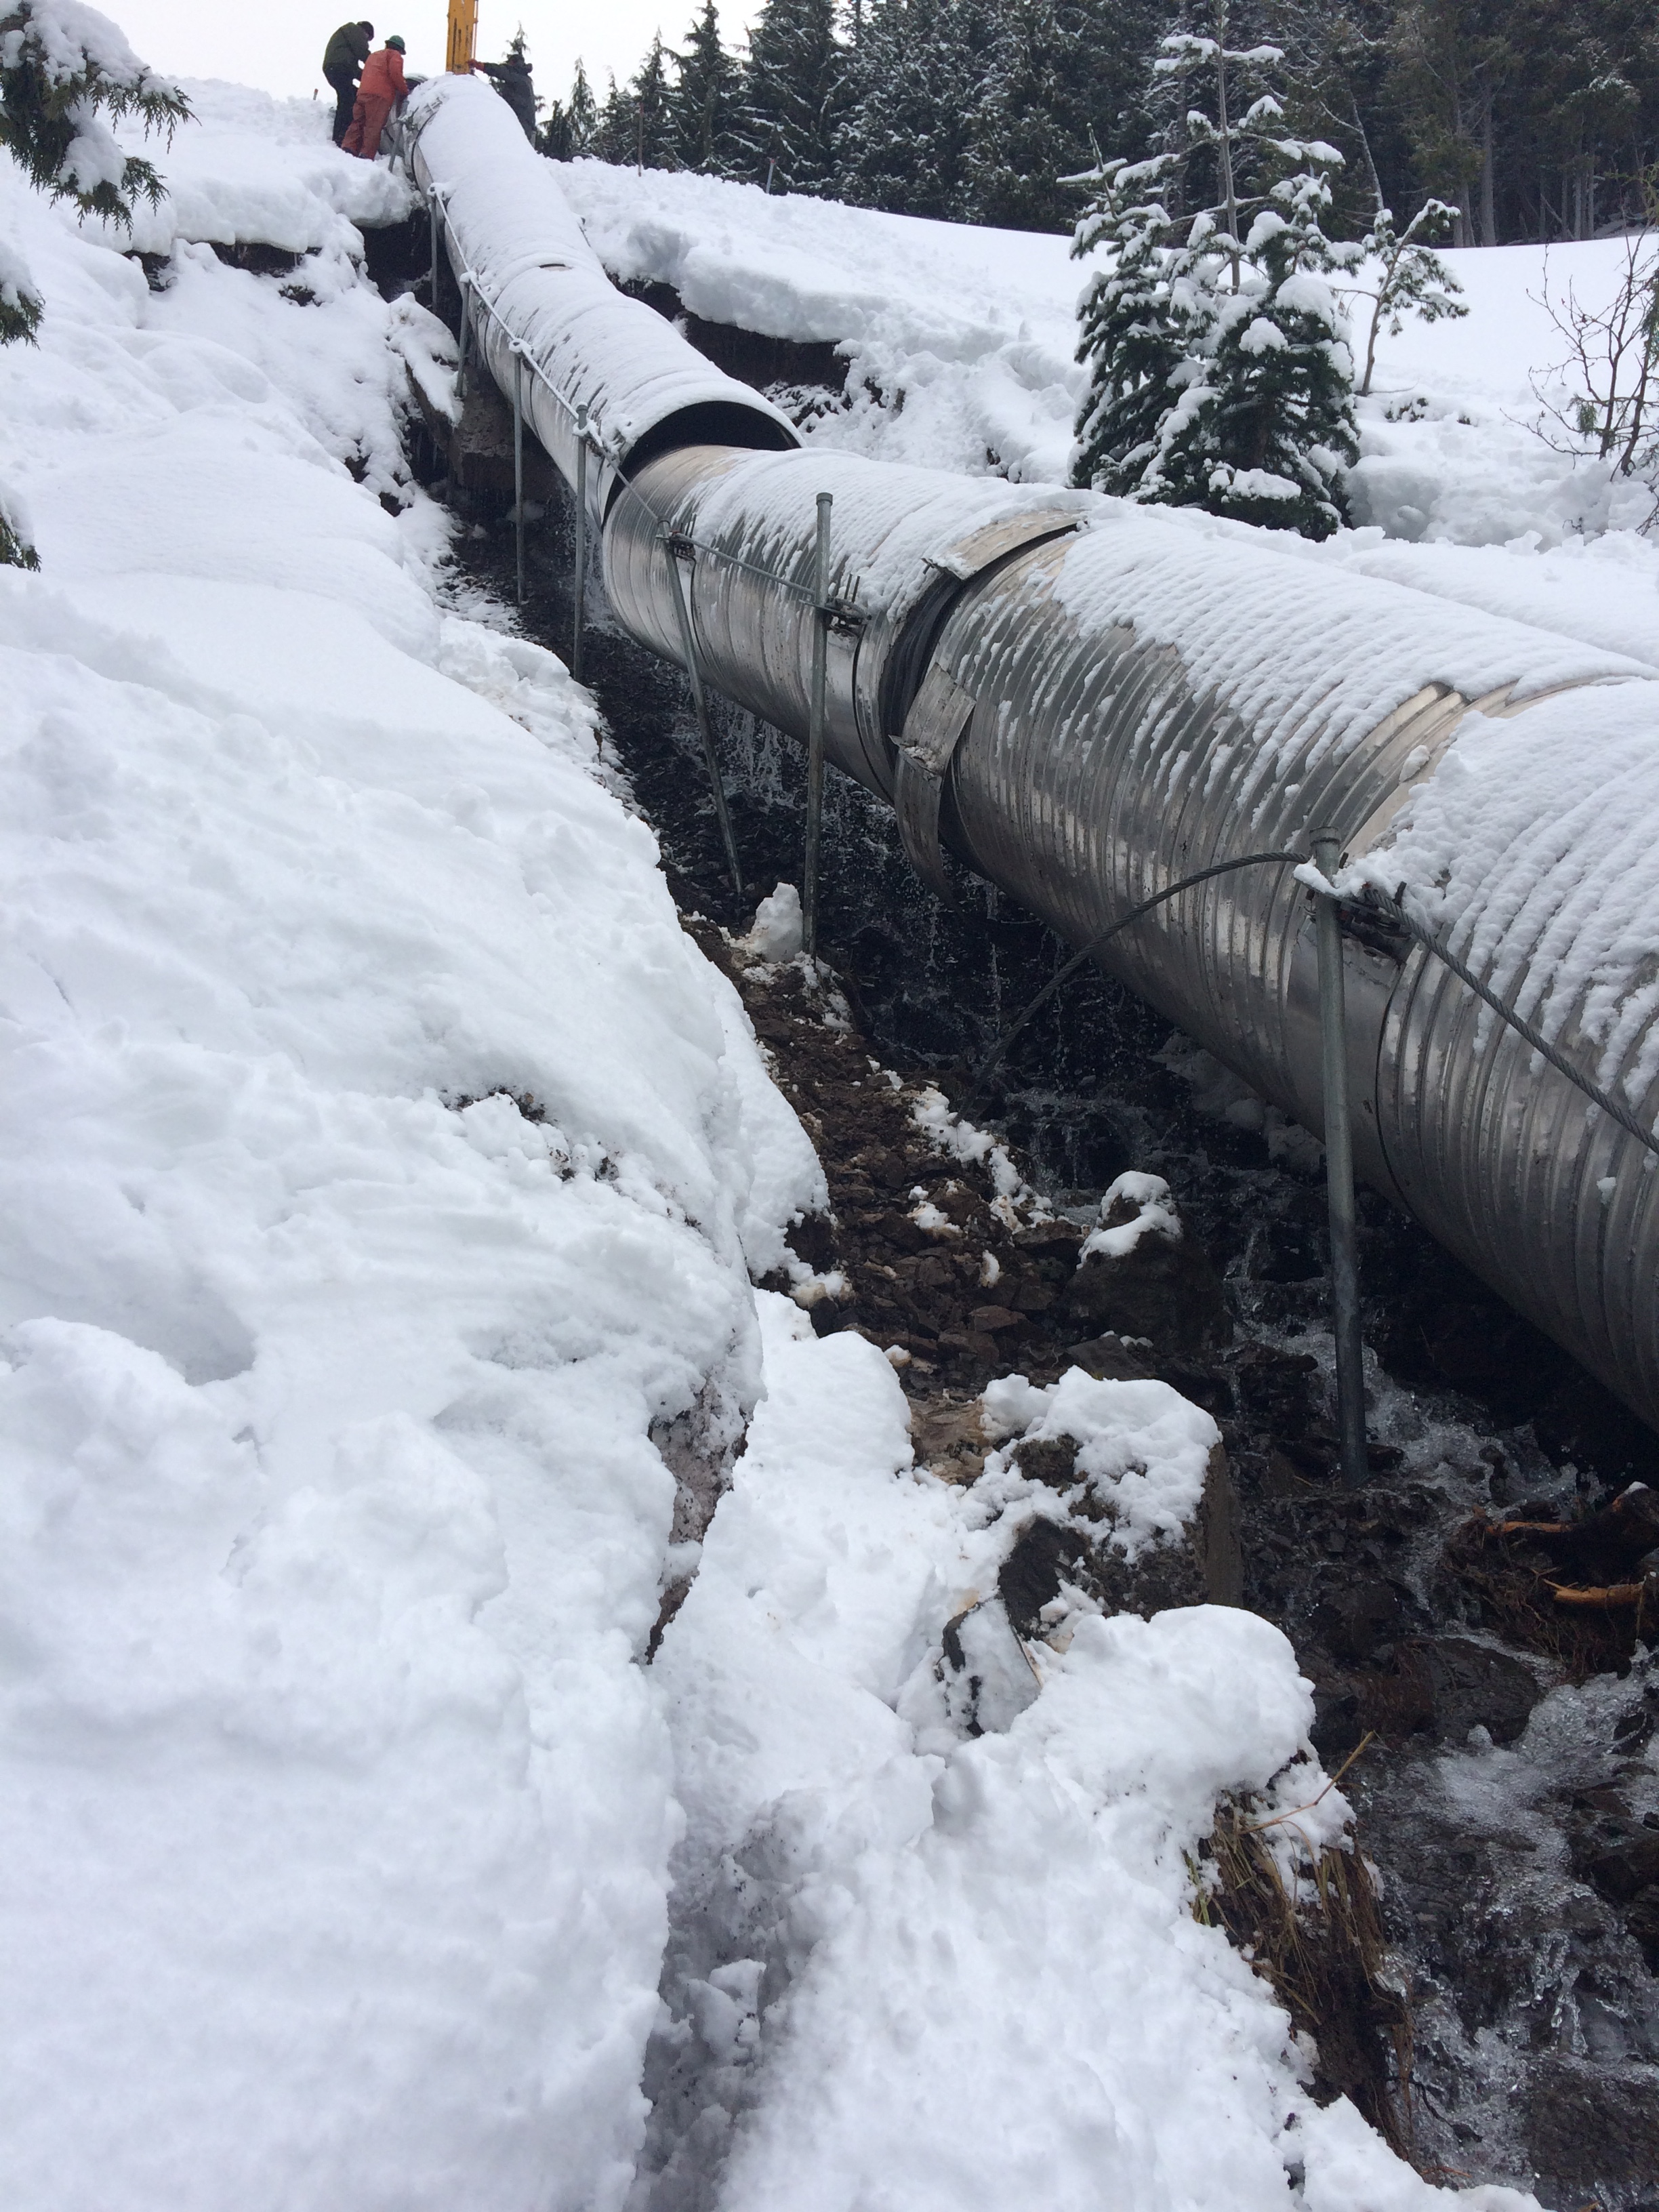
463,36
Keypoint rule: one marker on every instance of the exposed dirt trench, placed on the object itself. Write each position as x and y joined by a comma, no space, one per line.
1504,1792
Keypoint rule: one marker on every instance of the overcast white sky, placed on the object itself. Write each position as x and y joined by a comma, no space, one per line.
279,48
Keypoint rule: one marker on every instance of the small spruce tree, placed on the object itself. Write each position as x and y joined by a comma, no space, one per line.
1219,370
1264,434
1133,334
1411,278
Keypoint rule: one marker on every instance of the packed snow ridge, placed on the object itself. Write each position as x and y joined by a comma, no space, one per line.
386,1177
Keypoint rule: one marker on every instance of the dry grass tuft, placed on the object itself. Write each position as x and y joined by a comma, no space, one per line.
1324,1953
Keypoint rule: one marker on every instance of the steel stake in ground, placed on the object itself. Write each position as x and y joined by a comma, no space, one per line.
1338,1176
815,729
518,465
672,548
579,581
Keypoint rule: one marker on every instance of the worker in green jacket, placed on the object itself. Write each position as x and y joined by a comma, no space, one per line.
343,62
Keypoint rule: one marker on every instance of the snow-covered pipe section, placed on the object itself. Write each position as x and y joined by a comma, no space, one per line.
1089,701
509,232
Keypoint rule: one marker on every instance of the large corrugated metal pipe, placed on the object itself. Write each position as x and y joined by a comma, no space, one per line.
1088,703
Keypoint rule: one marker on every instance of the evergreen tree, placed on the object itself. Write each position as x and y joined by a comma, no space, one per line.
1134,334
636,128
707,101
794,90
1064,75
62,71
916,74
571,126
1410,278
1264,433
1228,122
582,115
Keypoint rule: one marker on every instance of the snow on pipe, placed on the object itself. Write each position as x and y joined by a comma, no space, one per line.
1088,703
511,237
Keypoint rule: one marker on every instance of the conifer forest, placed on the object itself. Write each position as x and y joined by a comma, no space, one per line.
1535,121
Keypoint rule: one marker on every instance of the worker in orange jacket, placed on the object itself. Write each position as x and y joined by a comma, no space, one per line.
381,86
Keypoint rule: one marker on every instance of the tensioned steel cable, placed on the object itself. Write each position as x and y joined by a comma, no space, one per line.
1391,911
1080,959
1393,914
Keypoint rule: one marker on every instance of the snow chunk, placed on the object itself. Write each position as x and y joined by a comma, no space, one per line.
1146,1200
1143,1449
775,933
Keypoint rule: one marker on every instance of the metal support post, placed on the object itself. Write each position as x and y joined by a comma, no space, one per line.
518,465
579,584
1339,1176
815,729
437,247
687,646
466,337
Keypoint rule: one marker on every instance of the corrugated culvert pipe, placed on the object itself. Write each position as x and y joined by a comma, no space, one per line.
1087,703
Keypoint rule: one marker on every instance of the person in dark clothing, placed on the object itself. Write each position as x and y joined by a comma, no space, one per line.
343,62
511,79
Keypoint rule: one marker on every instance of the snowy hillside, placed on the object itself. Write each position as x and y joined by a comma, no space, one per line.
387,1175
959,344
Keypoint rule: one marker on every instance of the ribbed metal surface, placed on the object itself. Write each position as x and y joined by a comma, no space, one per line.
509,229
1147,698
905,542
1095,773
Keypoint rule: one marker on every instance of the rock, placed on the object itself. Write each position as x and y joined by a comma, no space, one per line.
1616,1855
1353,1622
1463,1684
1580,2120
948,1438
990,1320
1044,1551
1164,1288
1110,1359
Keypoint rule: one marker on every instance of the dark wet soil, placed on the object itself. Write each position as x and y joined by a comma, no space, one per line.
1503,1789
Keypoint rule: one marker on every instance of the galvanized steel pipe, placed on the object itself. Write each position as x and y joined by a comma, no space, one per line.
1088,703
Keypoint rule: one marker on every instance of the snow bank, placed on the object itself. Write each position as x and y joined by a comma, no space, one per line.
252,170
337,1807
958,340
969,1976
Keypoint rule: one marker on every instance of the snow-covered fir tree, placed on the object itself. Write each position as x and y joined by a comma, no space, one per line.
706,103
1220,374
1265,432
571,126
1132,334
794,92
915,71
